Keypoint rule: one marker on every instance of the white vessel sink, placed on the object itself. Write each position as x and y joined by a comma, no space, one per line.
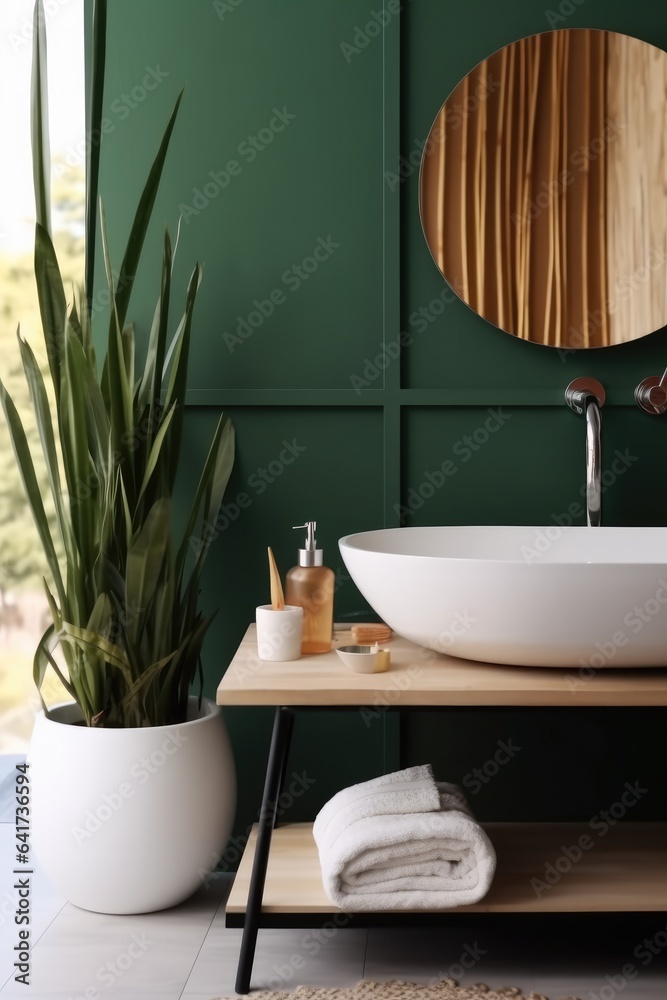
587,598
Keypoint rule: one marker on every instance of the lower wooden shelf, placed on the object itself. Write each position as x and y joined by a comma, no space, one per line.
542,868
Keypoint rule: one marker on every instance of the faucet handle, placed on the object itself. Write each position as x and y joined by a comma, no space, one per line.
651,394
581,390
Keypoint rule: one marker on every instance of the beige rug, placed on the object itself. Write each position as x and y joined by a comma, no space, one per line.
396,990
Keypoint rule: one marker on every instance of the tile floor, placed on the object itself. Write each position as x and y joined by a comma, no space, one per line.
188,954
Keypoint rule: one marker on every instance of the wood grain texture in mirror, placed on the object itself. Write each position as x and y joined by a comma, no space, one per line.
543,188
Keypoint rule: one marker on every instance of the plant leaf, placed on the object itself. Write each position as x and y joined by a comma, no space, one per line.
149,391
31,486
39,121
217,469
89,640
137,690
99,48
42,660
128,269
178,378
119,387
145,560
82,480
52,302
156,449
40,404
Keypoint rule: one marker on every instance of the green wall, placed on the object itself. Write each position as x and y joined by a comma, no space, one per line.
334,107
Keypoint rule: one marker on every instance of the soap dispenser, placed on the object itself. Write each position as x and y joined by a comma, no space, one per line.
310,585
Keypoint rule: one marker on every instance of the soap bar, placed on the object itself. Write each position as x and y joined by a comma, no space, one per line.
368,634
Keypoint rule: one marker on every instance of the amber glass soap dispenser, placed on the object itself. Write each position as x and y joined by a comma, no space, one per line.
311,586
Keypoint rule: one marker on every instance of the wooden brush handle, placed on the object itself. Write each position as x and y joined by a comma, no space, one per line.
277,596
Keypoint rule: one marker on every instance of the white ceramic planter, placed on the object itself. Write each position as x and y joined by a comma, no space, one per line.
130,820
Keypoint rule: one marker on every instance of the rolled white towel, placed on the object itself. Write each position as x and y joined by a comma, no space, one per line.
402,841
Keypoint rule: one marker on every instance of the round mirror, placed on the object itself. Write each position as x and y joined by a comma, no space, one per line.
543,189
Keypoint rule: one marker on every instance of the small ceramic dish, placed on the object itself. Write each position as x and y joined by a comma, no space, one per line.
363,659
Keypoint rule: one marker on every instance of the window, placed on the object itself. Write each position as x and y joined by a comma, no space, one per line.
23,608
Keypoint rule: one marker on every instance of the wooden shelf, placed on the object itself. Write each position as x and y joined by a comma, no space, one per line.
419,677
624,870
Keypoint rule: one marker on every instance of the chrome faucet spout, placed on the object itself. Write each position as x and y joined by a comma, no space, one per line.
593,464
586,396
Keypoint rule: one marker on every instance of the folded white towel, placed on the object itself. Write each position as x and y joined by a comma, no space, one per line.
402,841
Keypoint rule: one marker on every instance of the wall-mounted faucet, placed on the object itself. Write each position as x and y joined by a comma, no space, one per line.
651,395
586,396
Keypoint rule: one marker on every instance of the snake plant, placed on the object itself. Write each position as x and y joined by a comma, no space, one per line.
124,595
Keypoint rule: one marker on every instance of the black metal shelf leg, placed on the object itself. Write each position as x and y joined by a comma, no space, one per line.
283,724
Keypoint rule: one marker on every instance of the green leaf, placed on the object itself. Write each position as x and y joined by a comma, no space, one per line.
81,308
179,349
128,269
156,450
42,660
42,410
82,478
101,617
127,343
30,485
210,491
99,428
145,561
39,121
52,302
176,685
178,377
138,690
150,389
89,640
95,111
165,628
119,387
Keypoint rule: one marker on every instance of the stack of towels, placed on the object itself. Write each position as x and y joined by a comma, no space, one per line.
403,841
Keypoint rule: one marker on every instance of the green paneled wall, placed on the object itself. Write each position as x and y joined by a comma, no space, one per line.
287,340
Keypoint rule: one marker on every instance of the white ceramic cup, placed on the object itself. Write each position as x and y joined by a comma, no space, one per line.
279,632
